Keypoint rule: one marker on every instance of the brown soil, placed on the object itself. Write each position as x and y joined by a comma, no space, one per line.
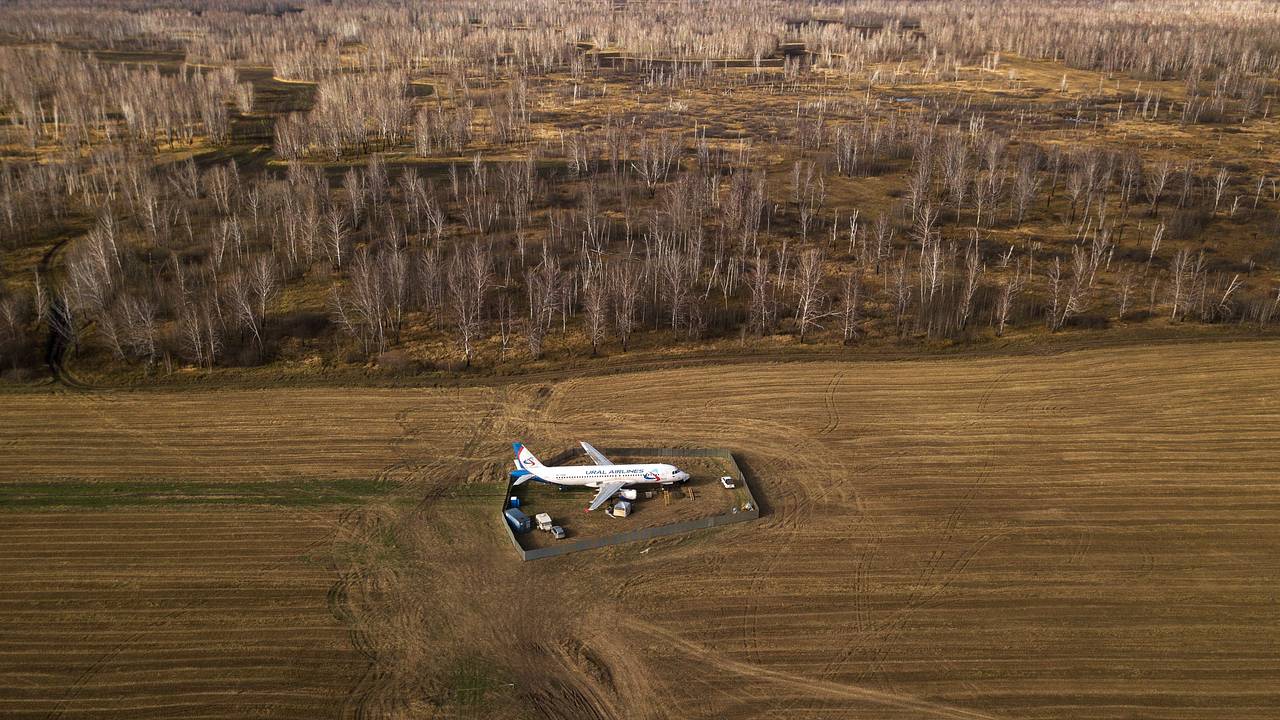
1090,534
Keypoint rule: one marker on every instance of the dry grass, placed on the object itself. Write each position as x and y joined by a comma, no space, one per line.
176,613
1081,535
146,605
222,436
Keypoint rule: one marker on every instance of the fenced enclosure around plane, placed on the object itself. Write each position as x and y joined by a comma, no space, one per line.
745,507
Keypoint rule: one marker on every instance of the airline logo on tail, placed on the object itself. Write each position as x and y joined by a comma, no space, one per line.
524,457
526,464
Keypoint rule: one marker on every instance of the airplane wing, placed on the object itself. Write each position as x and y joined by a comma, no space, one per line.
595,455
604,492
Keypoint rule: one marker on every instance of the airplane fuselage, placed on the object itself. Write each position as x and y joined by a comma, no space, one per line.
607,477
595,475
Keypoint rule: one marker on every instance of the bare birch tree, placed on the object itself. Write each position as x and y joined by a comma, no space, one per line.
810,297
470,277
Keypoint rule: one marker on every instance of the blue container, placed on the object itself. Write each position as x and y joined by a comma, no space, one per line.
515,501
518,521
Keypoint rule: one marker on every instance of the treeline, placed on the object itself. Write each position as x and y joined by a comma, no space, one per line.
448,192
184,264
1182,39
72,100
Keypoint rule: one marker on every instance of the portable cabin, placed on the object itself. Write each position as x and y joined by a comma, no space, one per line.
518,521
544,521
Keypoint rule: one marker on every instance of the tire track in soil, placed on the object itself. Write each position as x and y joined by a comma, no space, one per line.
359,701
829,402
810,687
932,583
105,659
934,579
95,399
337,593
364,700
792,499
829,474
927,587
431,480
896,625
807,461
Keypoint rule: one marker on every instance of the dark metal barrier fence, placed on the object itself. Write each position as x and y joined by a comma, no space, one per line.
645,533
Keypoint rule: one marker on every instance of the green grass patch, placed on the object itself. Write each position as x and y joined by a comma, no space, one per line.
101,494
473,686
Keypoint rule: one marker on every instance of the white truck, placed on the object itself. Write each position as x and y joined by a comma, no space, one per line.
544,521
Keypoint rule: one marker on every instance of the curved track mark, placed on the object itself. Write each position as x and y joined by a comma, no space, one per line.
811,686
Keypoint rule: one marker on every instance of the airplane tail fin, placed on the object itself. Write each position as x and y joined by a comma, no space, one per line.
526,461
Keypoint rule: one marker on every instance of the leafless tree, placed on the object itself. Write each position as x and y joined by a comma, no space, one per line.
1026,185
1185,273
656,157
1220,181
239,294
1157,179
761,286
15,317
810,296
595,306
625,281
1124,287
1010,287
851,305
470,278
901,290
335,235
973,270
545,285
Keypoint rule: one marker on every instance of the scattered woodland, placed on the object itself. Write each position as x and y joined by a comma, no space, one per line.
409,187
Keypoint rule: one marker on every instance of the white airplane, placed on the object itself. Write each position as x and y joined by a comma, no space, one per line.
604,476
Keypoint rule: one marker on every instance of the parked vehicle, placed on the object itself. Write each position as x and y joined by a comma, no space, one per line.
557,532
727,482
544,521
518,521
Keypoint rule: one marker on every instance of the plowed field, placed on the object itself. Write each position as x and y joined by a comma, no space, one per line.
1093,534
